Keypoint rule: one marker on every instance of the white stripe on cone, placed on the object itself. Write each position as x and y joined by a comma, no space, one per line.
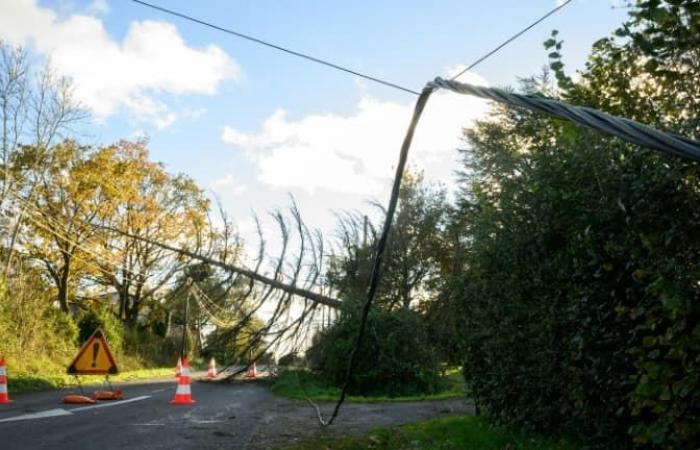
183,389
2,371
3,389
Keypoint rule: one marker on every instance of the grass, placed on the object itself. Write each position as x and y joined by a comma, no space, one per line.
27,382
300,384
451,433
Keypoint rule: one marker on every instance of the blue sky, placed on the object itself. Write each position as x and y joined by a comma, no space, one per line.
252,124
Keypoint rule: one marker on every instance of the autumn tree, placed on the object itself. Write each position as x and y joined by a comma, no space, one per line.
73,193
155,205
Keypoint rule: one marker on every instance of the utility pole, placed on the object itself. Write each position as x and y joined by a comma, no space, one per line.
187,313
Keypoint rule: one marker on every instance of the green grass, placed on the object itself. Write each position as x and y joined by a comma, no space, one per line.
451,433
26,382
300,384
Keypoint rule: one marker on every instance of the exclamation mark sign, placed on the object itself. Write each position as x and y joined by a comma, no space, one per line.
95,350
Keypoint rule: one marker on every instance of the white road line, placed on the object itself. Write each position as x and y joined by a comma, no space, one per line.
105,405
62,412
39,415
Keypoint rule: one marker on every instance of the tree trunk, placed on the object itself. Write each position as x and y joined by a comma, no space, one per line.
63,284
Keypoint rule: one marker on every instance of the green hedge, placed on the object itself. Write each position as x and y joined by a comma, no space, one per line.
396,358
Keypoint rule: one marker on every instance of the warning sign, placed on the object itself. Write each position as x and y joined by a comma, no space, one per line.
94,358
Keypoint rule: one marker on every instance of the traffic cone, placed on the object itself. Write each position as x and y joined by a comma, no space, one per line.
178,368
252,372
183,395
4,398
211,373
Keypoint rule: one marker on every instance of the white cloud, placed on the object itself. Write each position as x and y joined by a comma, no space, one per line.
152,58
357,153
228,185
98,7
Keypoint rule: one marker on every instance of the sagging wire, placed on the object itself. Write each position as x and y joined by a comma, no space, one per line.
337,66
379,251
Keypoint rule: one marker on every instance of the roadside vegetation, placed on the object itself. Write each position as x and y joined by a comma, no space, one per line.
64,271
27,382
304,384
451,433
563,277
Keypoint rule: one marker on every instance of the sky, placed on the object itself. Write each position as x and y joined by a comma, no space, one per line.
252,125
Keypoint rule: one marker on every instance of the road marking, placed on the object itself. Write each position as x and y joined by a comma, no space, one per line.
160,390
105,405
40,415
62,412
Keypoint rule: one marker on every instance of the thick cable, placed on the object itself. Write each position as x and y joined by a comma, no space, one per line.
381,246
623,128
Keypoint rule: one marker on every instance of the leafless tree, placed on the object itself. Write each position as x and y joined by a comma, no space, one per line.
36,111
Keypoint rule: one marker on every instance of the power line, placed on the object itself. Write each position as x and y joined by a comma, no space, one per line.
278,47
626,129
511,39
337,66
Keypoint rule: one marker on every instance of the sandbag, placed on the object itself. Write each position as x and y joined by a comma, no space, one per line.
74,399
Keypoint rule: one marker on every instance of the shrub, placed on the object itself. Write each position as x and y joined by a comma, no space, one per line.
96,318
396,357
291,359
151,348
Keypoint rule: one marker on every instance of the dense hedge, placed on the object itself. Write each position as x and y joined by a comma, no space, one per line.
579,302
396,358
581,311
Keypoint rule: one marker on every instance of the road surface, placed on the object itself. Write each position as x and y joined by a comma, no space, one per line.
242,415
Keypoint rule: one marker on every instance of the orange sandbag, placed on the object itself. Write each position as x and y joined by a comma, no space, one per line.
116,394
73,399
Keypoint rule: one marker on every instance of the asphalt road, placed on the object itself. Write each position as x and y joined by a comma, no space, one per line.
242,415
145,419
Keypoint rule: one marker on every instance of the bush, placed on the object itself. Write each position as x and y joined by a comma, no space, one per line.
101,318
291,359
579,298
34,334
152,349
396,358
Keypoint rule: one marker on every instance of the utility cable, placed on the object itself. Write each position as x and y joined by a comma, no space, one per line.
510,39
337,66
381,246
623,128
277,47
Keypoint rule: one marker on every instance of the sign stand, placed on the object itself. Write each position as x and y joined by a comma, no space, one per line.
94,358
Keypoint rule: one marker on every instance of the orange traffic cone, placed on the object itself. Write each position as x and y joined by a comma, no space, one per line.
252,372
211,373
178,368
183,395
4,398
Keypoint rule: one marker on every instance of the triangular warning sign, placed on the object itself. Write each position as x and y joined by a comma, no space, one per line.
94,358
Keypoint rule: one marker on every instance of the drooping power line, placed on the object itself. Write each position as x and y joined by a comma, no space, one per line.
626,129
277,47
337,66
